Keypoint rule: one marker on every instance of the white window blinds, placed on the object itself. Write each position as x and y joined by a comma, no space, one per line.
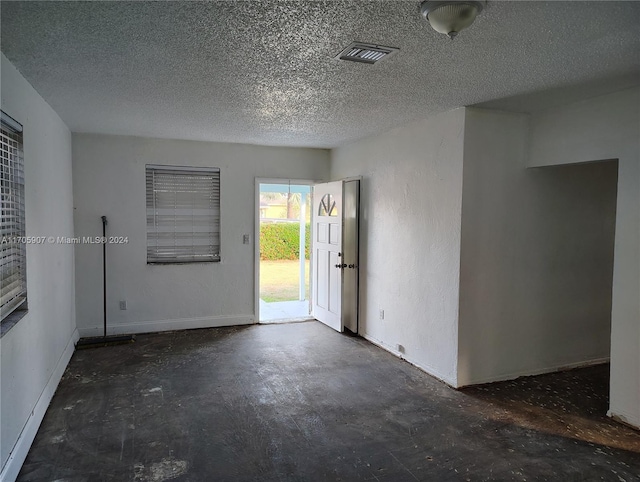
183,214
13,267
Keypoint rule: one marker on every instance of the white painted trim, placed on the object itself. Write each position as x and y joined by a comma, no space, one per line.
540,371
256,250
256,232
21,448
155,326
428,370
350,178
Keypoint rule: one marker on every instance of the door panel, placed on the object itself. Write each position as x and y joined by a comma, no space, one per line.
334,234
322,271
327,260
322,232
334,284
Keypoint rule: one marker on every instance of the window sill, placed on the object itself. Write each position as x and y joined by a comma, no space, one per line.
159,263
11,321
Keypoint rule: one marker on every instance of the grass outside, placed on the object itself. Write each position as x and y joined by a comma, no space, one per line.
279,280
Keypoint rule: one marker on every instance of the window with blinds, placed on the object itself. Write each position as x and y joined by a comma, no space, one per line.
13,266
183,214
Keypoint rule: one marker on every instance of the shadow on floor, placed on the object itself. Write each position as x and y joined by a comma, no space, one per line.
571,404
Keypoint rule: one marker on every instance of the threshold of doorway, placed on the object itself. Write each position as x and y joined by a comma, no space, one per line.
287,320
282,311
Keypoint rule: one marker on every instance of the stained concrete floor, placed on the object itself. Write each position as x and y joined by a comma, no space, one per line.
299,402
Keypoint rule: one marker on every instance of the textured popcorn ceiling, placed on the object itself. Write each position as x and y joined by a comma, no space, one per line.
264,72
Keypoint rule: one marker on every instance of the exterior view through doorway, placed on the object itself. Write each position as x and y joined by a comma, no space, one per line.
284,218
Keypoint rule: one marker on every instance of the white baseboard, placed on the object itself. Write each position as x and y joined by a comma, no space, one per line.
170,325
428,370
20,450
537,371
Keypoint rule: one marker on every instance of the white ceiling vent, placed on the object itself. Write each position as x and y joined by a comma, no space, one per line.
366,53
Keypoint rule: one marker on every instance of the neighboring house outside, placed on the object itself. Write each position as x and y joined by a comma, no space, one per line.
273,210
276,210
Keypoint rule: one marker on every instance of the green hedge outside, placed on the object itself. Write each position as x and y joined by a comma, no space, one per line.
280,241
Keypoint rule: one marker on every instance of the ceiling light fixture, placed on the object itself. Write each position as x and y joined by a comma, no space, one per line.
450,16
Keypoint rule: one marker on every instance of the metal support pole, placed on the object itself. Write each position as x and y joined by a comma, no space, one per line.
104,274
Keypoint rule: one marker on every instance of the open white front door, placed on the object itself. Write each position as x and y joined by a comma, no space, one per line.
327,256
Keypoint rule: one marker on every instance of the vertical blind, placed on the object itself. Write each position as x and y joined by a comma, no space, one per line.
183,214
13,266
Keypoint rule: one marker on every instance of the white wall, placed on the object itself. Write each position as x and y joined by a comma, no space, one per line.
411,194
35,352
109,179
608,127
536,256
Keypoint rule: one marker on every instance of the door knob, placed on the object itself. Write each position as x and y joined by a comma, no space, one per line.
341,265
352,266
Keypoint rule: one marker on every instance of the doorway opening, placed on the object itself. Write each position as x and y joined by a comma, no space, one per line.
284,229
559,289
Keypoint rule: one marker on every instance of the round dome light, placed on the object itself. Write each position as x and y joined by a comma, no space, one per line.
450,17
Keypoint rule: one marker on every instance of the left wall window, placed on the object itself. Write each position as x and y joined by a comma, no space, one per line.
13,267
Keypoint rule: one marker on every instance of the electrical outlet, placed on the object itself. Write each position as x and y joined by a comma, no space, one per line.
382,314
399,348
245,239
123,304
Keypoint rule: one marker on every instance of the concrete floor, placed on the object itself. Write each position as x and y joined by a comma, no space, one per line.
299,402
279,311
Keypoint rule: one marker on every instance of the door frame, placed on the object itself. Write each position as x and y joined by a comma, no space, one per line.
358,244
256,234
359,277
